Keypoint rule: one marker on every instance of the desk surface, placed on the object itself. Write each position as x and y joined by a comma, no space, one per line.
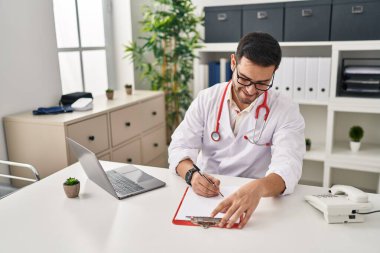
40,218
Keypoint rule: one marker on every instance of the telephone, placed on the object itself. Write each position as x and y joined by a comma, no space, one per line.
82,104
342,204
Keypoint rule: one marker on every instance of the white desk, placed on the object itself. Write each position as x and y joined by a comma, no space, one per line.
40,218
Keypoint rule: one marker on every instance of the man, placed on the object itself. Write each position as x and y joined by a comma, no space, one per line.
226,122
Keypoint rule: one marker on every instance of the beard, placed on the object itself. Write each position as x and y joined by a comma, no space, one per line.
243,96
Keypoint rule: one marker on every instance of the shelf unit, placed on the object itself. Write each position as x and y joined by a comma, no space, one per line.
330,160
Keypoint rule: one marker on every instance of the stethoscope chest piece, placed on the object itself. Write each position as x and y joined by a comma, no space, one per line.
215,136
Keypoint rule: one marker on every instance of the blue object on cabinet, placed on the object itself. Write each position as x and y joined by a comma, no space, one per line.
228,71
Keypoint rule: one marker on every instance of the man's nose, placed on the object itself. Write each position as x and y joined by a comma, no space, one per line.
251,90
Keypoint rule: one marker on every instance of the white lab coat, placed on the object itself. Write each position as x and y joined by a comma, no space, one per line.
236,156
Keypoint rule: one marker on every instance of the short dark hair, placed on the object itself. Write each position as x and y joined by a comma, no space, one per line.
260,48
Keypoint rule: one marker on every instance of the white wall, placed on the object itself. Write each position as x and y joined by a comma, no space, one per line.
29,70
122,34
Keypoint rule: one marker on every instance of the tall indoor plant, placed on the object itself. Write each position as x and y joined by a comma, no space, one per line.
170,35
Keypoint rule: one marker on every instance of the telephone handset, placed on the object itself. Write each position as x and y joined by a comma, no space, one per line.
341,204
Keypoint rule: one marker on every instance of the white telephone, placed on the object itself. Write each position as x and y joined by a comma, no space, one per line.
342,204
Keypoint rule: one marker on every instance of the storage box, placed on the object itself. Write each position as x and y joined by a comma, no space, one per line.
264,18
307,21
355,20
222,24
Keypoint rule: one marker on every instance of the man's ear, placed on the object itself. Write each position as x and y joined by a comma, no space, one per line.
233,62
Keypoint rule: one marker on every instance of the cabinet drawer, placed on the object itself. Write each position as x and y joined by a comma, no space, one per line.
307,21
130,153
264,18
160,161
91,133
223,24
355,20
153,144
153,112
125,123
105,157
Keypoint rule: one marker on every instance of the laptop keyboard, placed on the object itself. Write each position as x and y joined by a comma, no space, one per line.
122,184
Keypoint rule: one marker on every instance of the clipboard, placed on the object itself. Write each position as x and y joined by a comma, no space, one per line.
185,216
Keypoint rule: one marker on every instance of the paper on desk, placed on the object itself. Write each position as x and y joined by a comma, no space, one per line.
195,205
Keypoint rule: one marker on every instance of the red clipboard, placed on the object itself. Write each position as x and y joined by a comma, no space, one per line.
176,221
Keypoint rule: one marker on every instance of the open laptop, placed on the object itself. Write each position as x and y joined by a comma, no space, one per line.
122,182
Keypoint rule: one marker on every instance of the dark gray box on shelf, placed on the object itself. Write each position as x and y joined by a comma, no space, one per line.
223,24
355,20
307,21
267,18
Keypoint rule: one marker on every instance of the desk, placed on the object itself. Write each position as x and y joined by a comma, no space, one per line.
39,218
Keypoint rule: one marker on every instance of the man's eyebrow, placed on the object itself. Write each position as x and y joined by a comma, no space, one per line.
258,81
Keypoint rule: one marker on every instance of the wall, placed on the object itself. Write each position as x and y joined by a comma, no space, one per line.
122,34
29,70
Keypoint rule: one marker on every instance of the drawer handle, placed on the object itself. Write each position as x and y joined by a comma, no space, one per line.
155,145
91,138
262,15
129,160
310,89
154,113
287,88
307,12
299,88
127,124
222,16
357,9
323,89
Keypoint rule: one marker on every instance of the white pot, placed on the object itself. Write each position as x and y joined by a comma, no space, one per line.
355,146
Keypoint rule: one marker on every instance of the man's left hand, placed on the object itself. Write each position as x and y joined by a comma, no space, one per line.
241,204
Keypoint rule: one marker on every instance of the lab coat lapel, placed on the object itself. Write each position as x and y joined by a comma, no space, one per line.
225,122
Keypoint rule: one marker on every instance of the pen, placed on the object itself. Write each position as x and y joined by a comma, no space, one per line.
208,180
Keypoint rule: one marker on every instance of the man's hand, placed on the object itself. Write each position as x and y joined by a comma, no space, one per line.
241,204
202,187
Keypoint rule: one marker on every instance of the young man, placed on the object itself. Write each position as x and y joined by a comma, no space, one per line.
227,124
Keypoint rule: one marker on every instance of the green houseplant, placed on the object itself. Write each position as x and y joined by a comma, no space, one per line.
109,93
170,36
356,133
71,187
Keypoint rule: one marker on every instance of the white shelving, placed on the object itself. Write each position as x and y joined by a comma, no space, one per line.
330,159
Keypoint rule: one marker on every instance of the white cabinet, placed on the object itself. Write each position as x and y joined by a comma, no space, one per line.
328,118
128,129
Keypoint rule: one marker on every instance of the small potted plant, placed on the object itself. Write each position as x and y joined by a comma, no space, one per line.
128,89
356,134
308,144
71,187
109,93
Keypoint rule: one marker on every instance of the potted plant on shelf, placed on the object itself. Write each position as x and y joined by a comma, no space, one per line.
71,187
128,89
308,144
109,93
170,36
356,134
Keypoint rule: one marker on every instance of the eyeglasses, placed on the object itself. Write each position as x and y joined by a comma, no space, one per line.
258,85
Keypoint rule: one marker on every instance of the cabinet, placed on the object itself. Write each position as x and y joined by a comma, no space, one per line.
128,129
327,116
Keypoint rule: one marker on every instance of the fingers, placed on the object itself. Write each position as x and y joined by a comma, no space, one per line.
203,187
221,208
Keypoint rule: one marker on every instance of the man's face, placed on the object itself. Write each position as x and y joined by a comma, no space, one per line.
246,72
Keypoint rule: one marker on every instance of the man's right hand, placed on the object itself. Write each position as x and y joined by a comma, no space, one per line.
202,187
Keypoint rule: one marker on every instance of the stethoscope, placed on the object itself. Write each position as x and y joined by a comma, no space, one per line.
215,135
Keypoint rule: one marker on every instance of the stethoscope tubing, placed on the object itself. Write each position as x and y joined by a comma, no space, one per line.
215,135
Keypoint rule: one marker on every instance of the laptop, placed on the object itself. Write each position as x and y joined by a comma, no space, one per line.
122,182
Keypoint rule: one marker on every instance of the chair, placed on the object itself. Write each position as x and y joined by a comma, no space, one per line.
5,190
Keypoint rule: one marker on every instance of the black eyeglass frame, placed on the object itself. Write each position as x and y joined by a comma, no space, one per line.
253,83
